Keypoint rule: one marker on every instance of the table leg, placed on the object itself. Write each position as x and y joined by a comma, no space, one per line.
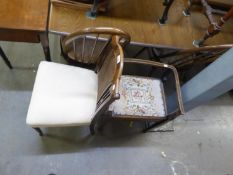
45,44
5,59
168,4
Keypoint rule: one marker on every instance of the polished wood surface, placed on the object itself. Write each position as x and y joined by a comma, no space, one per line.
25,21
139,19
24,14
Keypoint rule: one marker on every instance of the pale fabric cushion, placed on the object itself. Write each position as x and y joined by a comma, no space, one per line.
140,96
62,96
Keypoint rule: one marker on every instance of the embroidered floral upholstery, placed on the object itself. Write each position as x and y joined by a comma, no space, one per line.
140,96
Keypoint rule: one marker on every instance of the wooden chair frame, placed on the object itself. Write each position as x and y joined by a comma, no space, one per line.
108,89
155,120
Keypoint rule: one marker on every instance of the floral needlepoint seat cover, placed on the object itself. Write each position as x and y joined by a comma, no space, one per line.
140,96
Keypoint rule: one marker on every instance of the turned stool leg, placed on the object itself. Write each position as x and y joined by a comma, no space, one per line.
214,28
168,4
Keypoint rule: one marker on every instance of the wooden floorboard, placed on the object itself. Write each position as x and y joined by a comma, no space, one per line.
139,19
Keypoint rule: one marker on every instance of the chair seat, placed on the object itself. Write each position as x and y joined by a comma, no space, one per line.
140,96
62,96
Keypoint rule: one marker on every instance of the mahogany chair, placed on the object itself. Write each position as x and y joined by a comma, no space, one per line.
5,59
65,95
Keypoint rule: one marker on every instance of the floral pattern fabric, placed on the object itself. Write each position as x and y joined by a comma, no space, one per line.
139,96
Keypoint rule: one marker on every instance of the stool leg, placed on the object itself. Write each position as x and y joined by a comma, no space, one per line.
165,12
186,11
5,59
39,131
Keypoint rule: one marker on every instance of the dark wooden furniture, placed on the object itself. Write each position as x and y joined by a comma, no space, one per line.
195,56
25,21
215,26
167,4
210,7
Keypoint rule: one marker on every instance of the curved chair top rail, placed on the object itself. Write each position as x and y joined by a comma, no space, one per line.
96,30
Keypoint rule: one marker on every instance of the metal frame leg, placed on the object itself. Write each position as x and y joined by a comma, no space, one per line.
5,59
45,44
39,131
168,4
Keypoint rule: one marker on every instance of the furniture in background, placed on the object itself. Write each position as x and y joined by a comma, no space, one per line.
5,59
66,19
215,26
25,21
167,4
92,6
98,5
66,95
210,7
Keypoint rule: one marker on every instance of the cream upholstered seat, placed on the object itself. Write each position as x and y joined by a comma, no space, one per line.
62,96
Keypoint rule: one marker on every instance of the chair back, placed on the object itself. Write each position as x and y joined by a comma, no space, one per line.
88,45
101,47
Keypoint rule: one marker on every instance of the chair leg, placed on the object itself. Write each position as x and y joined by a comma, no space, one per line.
39,131
92,129
168,4
5,59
